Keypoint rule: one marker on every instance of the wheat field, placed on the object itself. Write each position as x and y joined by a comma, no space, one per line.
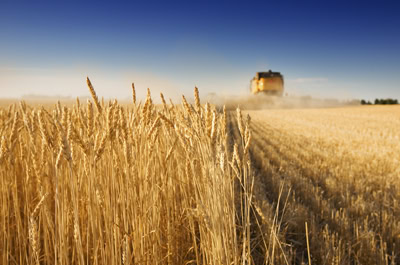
105,183
98,183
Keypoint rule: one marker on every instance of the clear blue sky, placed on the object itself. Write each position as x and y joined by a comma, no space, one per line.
343,49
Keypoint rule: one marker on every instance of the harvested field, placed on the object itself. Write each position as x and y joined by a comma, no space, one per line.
336,170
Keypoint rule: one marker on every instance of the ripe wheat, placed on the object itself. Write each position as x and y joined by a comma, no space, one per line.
121,185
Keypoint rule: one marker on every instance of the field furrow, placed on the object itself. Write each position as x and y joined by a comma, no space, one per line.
336,170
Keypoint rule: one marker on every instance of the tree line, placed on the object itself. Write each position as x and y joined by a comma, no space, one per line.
387,101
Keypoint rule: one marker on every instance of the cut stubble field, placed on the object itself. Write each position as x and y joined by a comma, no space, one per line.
336,170
103,183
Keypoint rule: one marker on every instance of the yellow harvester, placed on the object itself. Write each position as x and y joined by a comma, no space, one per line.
270,83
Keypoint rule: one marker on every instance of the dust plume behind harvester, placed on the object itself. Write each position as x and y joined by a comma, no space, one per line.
268,92
270,83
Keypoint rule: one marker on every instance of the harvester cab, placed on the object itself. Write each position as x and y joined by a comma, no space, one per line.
270,83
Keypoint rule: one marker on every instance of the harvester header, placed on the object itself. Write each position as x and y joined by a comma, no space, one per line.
270,83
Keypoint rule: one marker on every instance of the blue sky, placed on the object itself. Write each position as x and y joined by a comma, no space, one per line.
342,49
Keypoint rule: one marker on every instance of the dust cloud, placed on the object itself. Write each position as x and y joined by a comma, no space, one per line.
262,101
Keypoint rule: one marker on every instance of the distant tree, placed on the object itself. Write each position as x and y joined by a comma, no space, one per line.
363,102
392,101
387,101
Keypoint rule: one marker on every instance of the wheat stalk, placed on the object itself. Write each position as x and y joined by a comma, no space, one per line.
94,96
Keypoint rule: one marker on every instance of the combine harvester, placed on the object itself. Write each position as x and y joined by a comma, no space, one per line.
270,83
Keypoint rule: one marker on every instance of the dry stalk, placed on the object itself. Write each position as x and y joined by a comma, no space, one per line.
94,96
133,94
